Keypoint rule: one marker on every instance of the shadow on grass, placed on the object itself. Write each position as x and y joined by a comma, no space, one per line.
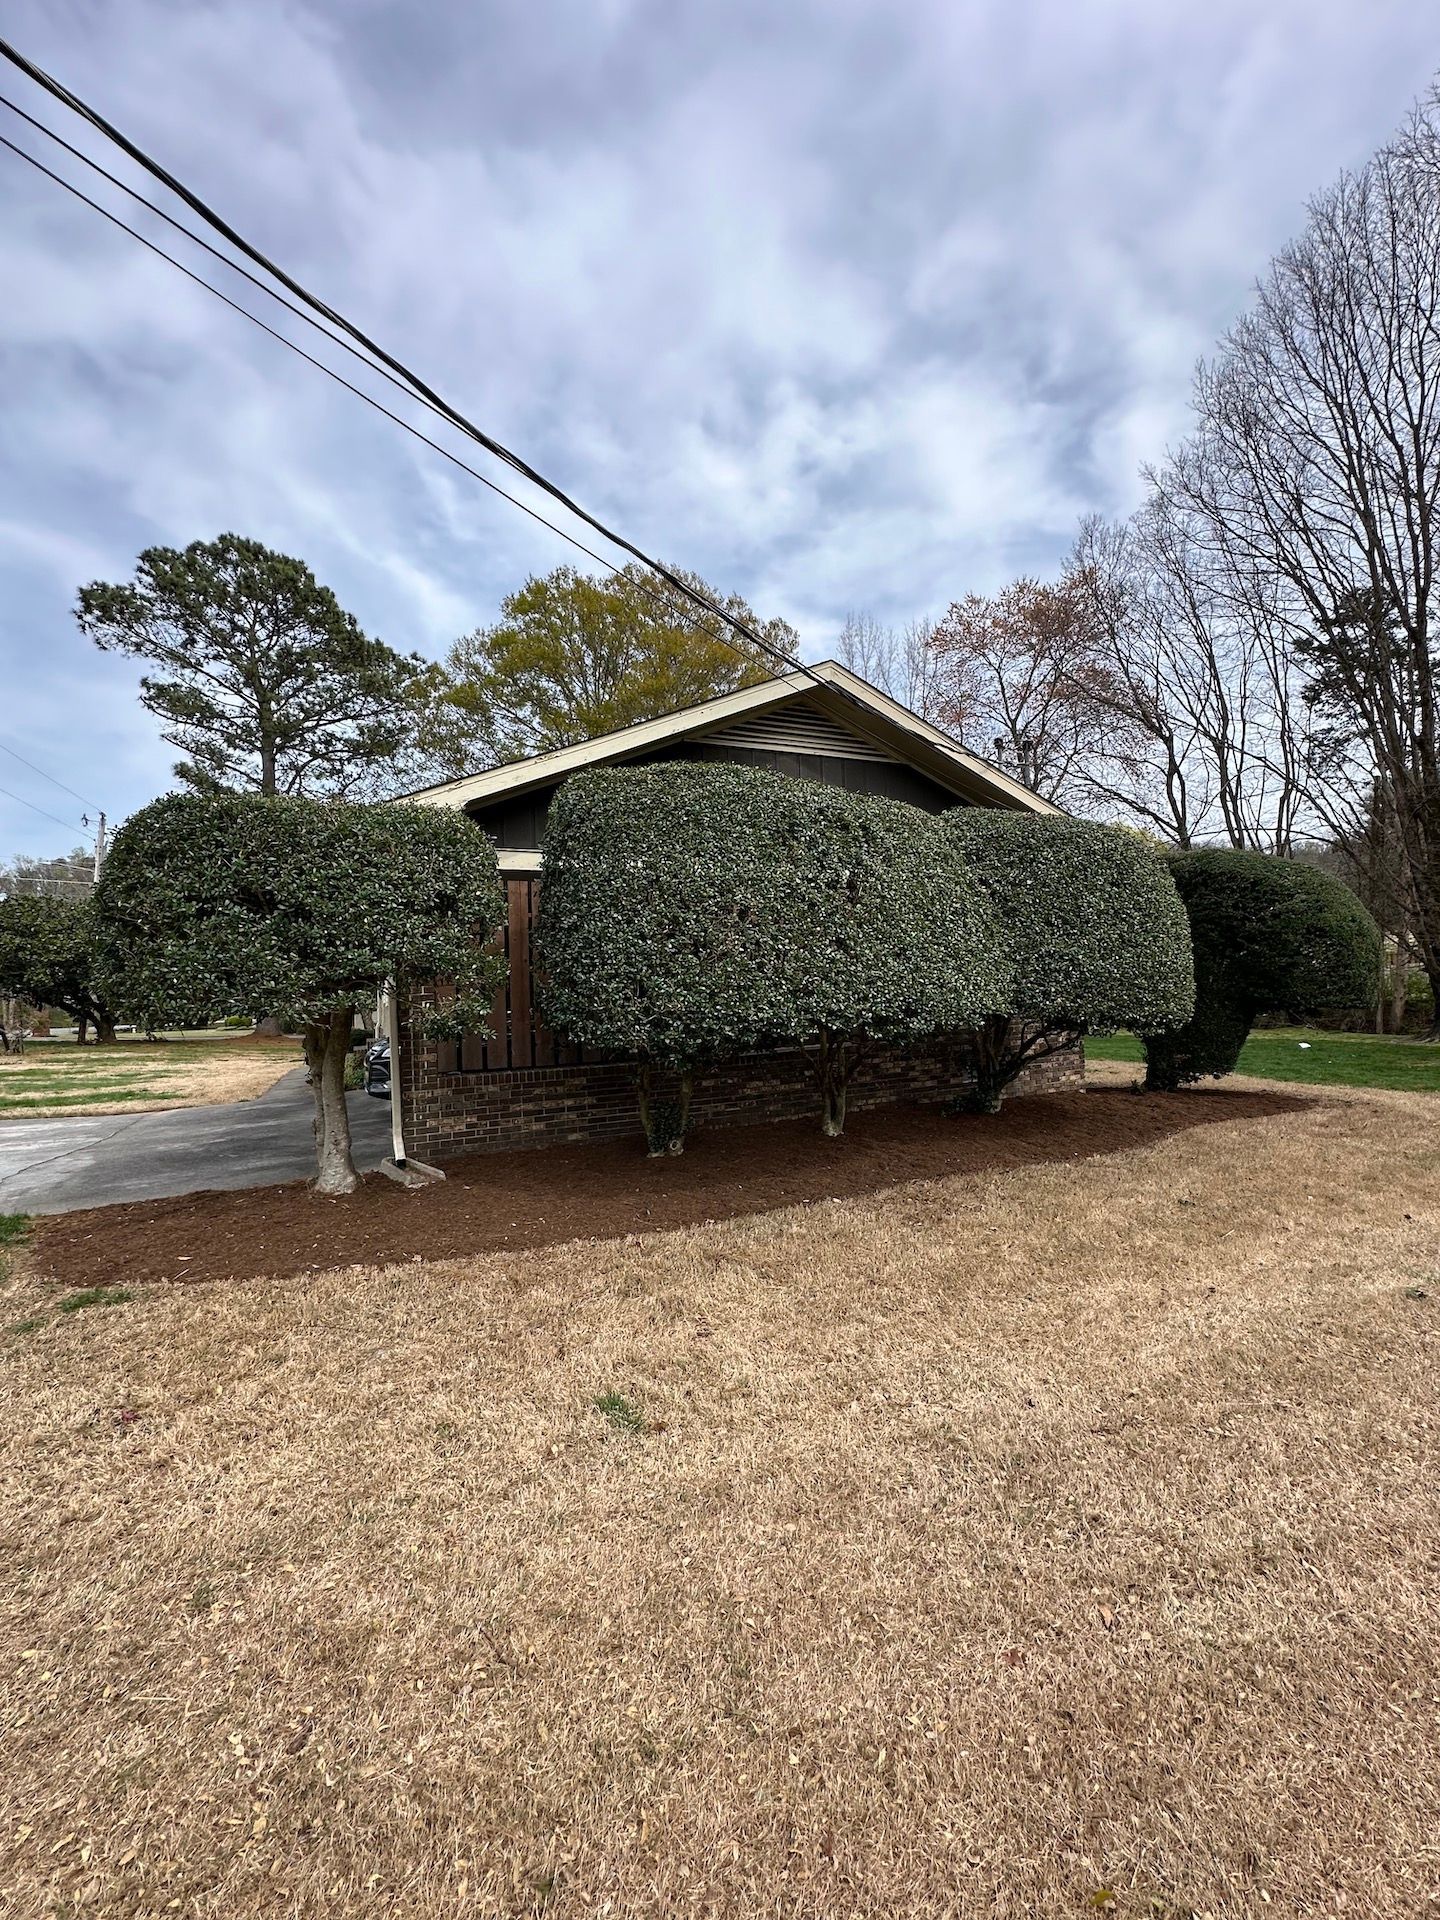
513,1201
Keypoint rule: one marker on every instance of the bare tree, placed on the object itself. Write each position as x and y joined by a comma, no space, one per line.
1315,472
1219,742
67,876
900,661
1022,679
1366,854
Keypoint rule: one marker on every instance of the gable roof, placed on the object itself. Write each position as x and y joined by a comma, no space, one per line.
824,692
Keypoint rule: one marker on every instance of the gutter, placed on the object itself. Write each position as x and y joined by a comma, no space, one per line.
406,1172
397,1107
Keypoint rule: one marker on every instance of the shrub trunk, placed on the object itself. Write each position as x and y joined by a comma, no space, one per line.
327,1044
993,1070
833,1067
664,1121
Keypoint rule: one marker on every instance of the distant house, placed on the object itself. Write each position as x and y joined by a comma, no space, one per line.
524,1086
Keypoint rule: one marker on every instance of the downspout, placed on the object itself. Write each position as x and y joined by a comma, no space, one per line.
397,1112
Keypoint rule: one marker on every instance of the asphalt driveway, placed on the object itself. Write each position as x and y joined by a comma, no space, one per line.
57,1166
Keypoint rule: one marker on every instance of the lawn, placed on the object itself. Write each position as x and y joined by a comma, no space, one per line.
1051,1539
1311,1057
137,1075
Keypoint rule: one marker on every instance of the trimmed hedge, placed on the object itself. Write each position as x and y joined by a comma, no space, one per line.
302,908
294,907
1268,933
691,913
1094,935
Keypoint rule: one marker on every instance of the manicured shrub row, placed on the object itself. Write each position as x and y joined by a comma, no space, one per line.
693,913
1268,934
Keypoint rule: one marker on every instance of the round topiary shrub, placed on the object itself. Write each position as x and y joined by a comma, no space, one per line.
691,913
1267,933
306,908
1093,930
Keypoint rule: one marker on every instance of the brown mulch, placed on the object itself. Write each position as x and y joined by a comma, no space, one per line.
511,1201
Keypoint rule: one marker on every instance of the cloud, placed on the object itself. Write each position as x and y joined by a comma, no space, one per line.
841,306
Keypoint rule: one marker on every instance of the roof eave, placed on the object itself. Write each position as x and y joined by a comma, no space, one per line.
844,694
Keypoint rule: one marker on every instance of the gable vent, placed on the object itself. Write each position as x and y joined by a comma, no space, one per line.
798,729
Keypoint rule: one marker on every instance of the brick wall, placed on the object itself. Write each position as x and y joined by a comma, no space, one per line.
449,1112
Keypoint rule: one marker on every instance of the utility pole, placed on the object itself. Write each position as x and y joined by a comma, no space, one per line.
99,848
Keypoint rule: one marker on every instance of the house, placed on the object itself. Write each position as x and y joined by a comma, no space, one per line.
526,1087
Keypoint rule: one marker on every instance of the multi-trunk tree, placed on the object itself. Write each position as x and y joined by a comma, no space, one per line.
1269,935
690,914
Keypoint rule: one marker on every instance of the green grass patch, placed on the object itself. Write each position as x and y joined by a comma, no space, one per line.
27,1326
622,1414
14,1227
1310,1057
62,1077
87,1076
92,1096
94,1297
46,1081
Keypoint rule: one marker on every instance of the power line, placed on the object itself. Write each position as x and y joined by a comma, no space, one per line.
69,825
285,341
401,378
199,240
307,319
15,755
416,386
359,392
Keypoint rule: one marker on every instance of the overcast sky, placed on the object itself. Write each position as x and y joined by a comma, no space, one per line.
844,305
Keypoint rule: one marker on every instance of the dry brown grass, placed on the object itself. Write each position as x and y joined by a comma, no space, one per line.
1046,1542
141,1076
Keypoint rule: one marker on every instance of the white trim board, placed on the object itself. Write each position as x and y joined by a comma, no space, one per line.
837,694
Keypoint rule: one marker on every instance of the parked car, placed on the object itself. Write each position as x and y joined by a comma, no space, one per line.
377,1069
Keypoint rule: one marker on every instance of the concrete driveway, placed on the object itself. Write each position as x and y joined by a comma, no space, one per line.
57,1166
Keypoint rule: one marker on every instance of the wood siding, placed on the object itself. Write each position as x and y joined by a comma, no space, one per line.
519,823
521,1038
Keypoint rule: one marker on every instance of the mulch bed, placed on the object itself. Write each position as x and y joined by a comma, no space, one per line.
510,1201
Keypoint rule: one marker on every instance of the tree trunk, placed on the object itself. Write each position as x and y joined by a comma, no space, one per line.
105,1030
834,1076
327,1043
991,1037
1399,988
661,1139
1432,974
82,1027
645,1100
1426,942
1162,1073
12,1025
687,1089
